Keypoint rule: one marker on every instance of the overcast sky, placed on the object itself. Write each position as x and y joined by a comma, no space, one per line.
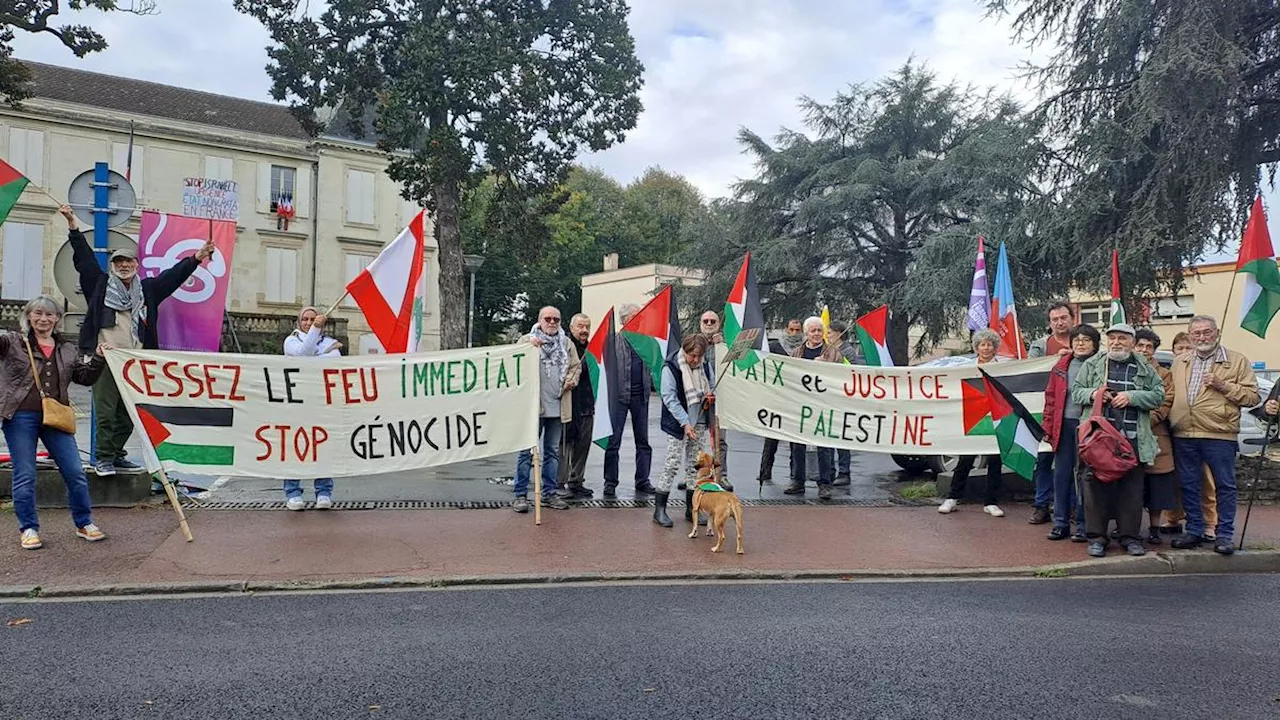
711,66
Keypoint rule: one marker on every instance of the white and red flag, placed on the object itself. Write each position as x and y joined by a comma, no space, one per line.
391,291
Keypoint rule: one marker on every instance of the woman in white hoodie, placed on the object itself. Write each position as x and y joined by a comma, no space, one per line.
309,340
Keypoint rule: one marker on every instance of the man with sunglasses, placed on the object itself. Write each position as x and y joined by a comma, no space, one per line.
710,327
559,368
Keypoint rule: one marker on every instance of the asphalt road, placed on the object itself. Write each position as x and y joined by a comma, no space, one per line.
1190,647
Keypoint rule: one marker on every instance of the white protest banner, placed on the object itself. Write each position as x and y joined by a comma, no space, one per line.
209,198
904,410
287,417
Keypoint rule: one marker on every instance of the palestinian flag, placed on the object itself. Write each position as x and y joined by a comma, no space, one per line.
12,183
602,371
1027,386
177,434
1017,432
742,310
1117,304
873,336
654,332
1261,278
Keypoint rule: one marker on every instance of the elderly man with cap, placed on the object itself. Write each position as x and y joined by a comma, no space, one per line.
122,311
1131,390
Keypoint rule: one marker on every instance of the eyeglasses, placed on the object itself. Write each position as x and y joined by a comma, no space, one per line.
709,321
551,319
1203,333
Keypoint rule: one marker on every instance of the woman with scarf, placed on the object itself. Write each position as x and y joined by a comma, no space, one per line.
123,310
309,340
39,353
559,368
687,402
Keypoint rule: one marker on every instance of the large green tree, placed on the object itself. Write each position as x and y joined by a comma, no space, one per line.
510,89
879,202
1162,116
41,16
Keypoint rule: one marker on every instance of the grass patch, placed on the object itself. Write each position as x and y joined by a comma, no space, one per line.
920,491
6,506
1051,573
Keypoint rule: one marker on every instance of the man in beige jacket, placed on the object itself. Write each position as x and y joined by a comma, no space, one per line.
1211,385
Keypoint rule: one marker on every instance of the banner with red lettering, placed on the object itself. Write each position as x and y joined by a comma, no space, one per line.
288,417
191,318
903,410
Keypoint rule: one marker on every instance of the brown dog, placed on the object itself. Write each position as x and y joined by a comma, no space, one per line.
719,505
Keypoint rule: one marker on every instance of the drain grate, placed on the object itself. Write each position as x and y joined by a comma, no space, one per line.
503,504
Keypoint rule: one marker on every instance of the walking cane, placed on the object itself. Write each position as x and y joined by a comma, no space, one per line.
1257,471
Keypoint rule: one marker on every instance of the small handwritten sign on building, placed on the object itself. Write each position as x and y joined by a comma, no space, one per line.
208,198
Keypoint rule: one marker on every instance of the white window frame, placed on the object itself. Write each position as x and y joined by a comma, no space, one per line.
361,197
280,275
353,263
26,153
219,168
23,260
281,188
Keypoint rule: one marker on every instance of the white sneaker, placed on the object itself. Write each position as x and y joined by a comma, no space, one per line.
295,503
993,510
323,502
947,506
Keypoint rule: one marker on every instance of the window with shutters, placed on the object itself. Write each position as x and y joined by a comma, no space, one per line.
26,153
360,197
280,281
219,168
284,183
23,261
354,263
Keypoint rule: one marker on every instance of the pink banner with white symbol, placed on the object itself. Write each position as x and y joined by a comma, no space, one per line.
191,319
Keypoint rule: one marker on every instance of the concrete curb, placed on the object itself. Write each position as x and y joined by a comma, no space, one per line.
1154,564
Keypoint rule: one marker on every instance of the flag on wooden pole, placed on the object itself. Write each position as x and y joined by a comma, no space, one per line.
602,368
873,336
979,298
654,332
1004,313
1117,303
390,292
743,310
12,183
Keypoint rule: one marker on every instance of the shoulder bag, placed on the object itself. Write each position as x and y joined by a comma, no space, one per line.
56,415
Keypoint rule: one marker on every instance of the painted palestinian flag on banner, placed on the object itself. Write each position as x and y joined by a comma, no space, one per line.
1257,263
743,310
1018,433
654,332
602,370
180,434
873,336
1028,387
12,183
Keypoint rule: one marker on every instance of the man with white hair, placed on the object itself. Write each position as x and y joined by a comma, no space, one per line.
559,368
1210,386
123,312
635,385
1131,389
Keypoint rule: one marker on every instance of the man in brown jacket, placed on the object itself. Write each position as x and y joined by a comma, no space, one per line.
1211,385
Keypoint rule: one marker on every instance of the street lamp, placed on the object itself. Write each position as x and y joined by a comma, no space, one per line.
472,263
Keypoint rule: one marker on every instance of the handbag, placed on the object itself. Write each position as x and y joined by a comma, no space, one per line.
56,415
1104,449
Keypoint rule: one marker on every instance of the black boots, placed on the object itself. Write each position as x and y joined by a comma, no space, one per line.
660,509
688,505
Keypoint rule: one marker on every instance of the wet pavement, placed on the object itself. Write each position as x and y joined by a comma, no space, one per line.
873,476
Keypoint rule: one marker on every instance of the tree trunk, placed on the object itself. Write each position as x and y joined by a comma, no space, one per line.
453,274
899,345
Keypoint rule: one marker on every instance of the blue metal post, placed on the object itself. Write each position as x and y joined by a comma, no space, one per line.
101,212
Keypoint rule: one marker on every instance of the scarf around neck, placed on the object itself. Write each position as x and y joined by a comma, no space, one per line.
127,299
554,352
696,387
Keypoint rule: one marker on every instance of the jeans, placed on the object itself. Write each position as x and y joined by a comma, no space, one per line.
638,407
826,465
293,488
1189,454
112,424
1066,491
551,428
1044,479
843,459
21,434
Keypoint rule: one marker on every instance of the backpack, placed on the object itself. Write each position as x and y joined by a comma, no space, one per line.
1104,449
